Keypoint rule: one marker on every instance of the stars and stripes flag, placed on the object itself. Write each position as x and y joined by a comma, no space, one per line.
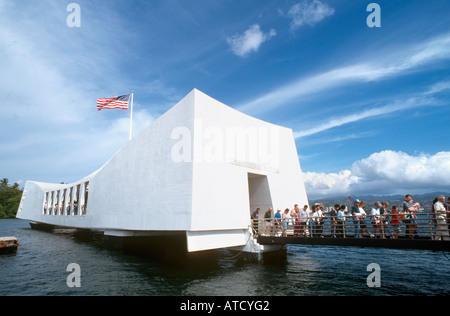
120,102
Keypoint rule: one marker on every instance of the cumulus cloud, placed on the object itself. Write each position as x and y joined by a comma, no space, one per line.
386,172
328,184
308,13
250,41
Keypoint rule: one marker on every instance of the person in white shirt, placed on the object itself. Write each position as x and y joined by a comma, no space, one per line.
288,218
441,219
295,209
362,221
314,221
303,220
319,221
341,222
376,220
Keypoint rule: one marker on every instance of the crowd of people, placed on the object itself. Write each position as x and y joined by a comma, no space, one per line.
358,221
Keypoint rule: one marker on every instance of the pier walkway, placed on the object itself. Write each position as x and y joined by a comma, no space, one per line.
424,244
422,233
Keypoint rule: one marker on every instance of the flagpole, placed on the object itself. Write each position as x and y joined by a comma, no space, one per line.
131,113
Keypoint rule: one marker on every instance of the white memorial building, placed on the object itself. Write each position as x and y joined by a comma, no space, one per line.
199,170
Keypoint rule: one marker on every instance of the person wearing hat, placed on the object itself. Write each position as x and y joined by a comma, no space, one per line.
356,215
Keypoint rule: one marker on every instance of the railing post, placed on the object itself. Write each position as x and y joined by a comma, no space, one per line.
430,226
343,227
274,227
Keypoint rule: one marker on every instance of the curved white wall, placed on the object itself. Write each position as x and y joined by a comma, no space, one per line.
189,171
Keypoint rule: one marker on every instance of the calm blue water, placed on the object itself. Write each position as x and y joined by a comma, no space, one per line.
39,268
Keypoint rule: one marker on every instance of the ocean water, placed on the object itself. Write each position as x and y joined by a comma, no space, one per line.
40,268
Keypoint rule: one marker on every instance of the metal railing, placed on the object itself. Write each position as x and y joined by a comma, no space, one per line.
420,225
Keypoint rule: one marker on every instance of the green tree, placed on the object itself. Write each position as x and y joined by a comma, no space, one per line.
10,197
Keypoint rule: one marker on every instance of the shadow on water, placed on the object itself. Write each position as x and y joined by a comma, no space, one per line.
166,251
170,251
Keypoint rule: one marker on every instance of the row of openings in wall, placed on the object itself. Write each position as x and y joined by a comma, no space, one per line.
69,201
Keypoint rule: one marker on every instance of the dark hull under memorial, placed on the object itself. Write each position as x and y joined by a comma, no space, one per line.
199,170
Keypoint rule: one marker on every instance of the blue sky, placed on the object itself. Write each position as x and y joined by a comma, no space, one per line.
369,107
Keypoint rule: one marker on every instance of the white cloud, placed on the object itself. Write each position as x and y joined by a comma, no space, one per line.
438,87
386,172
250,41
405,59
308,13
328,184
394,106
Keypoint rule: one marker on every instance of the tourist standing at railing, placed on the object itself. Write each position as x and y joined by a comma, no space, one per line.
312,221
255,220
356,214
414,223
285,217
277,222
303,220
376,219
288,217
294,210
362,219
294,217
297,222
333,220
268,221
384,212
320,216
410,221
255,214
341,222
394,221
433,213
313,218
441,219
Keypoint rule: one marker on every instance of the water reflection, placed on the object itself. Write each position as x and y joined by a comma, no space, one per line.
39,268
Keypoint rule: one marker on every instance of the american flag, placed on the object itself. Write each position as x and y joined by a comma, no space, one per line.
120,102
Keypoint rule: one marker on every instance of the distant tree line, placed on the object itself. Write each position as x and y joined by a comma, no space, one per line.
10,196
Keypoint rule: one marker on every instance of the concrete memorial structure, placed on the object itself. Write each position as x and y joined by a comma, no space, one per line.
199,170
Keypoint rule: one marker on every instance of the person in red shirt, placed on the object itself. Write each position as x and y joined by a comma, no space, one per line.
395,222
